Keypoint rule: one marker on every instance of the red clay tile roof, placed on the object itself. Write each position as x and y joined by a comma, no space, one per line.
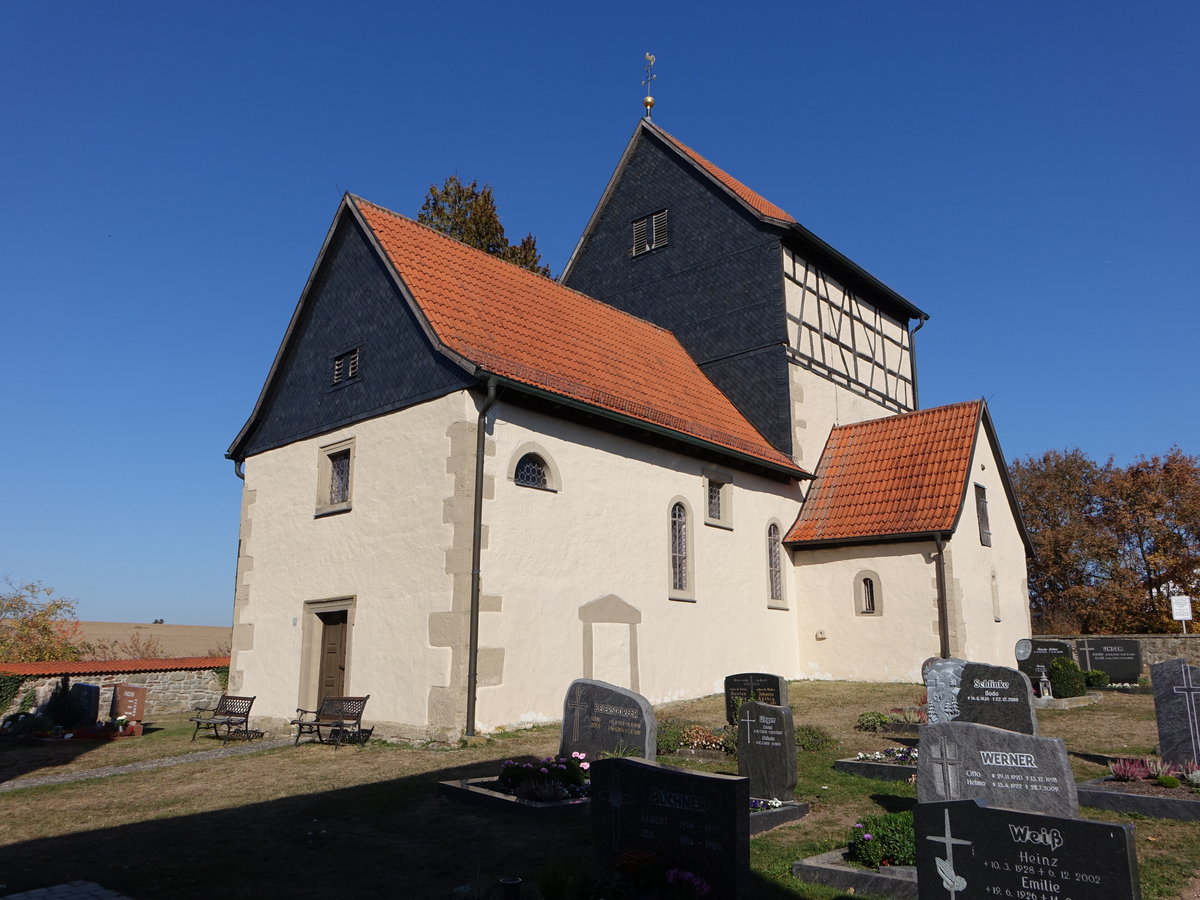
756,201
112,666
889,477
531,329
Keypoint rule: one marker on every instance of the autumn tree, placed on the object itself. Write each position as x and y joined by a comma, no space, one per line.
37,626
1111,543
467,213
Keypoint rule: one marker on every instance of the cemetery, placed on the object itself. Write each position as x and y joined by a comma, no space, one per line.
620,812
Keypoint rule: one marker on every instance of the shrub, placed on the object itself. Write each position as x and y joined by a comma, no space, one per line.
884,840
1193,778
872,721
1094,678
670,734
813,738
1066,678
1156,767
1168,781
1129,769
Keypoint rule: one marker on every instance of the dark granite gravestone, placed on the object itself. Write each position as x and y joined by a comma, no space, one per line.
767,750
1032,653
943,679
128,700
85,703
1177,708
961,761
601,717
758,686
968,851
1118,658
962,691
689,821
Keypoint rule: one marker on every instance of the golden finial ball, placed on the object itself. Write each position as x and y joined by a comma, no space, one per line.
648,103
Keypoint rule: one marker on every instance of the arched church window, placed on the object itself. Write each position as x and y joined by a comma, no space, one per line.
774,568
679,548
531,472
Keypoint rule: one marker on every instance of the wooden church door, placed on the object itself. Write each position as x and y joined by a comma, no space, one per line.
332,678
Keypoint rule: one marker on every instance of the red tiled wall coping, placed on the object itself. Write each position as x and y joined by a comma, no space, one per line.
112,666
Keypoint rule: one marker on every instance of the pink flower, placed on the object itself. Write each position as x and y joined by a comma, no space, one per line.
585,766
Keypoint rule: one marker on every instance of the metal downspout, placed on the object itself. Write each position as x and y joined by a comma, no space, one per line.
912,358
943,612
476,548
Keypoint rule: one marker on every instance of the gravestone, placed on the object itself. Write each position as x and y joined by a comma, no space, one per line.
968,851
1177,708
601,717
961,761
767,750
128,700
962,691
1118,658
758,686
1032,653
691,821
85,703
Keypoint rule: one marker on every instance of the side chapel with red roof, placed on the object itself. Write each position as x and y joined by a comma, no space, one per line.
699,452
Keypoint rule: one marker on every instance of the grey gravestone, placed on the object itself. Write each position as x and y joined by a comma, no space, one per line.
961,761
968,851
1177,708
693,821
758,686
1032,653
767,750
961,691
1118,658
600,717
85,702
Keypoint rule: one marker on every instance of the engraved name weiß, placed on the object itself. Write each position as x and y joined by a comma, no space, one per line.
1046,837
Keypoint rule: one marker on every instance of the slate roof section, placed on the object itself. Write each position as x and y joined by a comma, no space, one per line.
893,477
531,330
756,201
113,666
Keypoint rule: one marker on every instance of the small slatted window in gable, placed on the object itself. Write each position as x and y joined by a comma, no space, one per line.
345,367
649,233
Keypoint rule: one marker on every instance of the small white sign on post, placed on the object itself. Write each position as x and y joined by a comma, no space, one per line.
1181,610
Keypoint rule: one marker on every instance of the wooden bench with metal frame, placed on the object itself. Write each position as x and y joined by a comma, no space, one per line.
339,718
231,713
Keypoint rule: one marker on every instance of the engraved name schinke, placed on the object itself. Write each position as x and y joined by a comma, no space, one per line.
1005,758
990,683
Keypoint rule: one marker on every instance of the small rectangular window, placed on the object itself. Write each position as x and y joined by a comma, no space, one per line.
649,233
335,478
985,529
718,498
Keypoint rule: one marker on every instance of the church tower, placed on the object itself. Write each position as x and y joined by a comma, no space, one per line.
796,334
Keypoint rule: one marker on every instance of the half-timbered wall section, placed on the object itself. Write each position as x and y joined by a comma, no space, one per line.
847,340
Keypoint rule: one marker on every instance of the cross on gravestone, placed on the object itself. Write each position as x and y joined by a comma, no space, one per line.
1084,648
945,756
951,880
576,703
1190,692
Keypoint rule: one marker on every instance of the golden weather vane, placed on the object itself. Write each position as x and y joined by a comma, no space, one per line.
648,101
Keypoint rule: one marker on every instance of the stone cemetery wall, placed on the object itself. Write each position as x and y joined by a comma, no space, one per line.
971,852
167,692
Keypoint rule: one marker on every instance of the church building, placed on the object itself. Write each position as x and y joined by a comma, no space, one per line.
700,452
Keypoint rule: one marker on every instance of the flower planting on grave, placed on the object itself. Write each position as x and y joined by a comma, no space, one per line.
681,734
552,778
1147,774
888,839
899,756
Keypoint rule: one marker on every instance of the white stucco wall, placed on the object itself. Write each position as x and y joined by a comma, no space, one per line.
606,532
388,553
988,583
837,642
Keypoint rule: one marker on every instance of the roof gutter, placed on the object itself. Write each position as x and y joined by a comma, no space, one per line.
476,547
774,468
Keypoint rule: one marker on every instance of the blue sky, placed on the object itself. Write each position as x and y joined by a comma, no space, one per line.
1024,172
